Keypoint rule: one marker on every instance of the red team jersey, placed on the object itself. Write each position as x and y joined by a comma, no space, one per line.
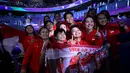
27,41
110,33
91,38
32,56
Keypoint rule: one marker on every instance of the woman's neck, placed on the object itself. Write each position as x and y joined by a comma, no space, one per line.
89,30
30,35
72,23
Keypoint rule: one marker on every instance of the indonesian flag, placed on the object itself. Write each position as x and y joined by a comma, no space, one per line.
11,43
12,38
8,31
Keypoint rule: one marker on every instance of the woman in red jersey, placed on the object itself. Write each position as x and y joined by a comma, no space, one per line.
49,25
66,29
60,39
91,35
110,32
76,36
60,43
68,17
30,38
33,53
46,18
57,18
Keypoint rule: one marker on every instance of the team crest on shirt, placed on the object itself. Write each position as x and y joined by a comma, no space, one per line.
93,39
112,31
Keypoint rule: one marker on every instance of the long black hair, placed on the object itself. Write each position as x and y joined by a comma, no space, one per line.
34,33
106,13
67,12
46,20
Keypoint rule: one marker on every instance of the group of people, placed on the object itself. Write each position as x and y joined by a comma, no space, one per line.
95,29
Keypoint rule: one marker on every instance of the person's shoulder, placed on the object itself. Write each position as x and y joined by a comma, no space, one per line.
64,22
85,42
112,25
78,23
37,37
37,41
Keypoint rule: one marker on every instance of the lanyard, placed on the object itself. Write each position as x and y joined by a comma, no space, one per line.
45,57
43,47
104,34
